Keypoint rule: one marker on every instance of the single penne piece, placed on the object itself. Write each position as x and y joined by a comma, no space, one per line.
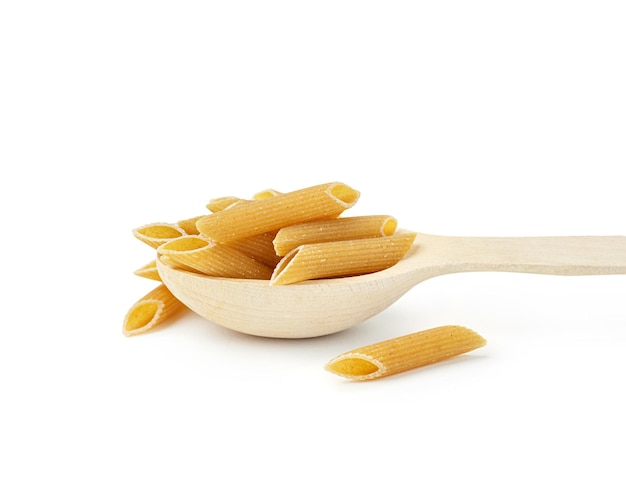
151,310
329,230
205,256
262,195
259,247
221,203
148,271
270,214
155,234
168,261
404,353
342,258
189,225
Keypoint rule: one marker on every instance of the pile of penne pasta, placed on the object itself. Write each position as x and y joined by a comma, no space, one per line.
281,237
287,238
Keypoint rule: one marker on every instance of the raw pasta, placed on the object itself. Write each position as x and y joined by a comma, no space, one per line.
151,310
270,214
342,258
404,353
221,203
259,247
343,228
172,263
269,193
189,225
282,237
205,256
155,234
148,271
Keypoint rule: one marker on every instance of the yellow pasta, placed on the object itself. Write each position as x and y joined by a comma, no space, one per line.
172,263
279,237
342,258
270,214
221,203
404,353
148,271
205,256
269,193
258,247
343,228
151,310
189,225
155,234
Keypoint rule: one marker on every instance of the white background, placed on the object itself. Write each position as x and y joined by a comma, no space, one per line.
459,118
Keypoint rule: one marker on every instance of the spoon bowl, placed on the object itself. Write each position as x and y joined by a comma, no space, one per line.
321,307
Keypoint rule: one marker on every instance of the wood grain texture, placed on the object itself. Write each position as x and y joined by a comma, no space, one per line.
321,307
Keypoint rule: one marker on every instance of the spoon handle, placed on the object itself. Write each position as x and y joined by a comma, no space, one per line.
567,255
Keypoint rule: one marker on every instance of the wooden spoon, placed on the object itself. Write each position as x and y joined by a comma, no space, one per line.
320,307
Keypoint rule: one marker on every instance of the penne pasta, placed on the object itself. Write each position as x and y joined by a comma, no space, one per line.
258,247
167,260
150,311
270,214
342,258
221,203
205,256
155,234
262,195
404,353
343,228
148,271
280,237
189,225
